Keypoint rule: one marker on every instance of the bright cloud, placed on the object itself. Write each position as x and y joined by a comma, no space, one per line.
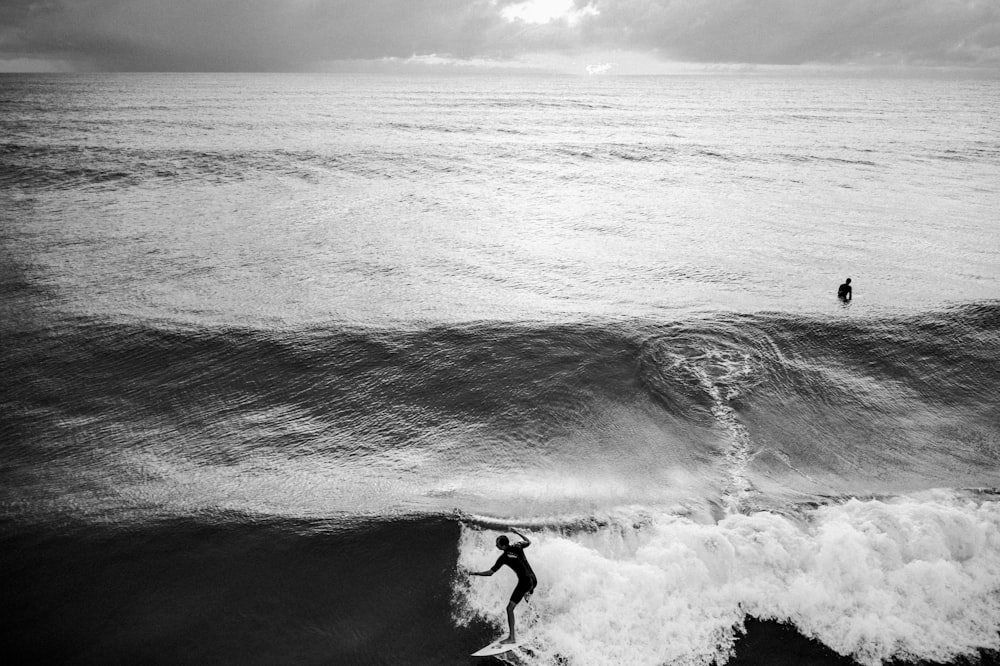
602,68
545,11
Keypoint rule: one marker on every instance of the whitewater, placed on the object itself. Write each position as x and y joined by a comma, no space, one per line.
282,355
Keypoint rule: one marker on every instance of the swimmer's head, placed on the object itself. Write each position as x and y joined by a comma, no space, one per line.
502,541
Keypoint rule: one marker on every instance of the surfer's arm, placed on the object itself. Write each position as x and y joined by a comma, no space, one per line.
489,572
526,541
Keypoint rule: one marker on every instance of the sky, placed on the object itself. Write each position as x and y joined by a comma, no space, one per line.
568,36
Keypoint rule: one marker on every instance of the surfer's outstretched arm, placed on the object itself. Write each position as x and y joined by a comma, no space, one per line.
526,541
488,572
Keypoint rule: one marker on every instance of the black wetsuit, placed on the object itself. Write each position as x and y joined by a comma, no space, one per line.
513,556
844,292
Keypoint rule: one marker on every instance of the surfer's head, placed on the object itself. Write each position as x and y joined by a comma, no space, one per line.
502,541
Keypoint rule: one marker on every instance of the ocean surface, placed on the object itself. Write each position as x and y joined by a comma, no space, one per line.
282,355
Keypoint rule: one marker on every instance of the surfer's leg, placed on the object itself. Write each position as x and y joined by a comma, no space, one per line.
512,638
515,599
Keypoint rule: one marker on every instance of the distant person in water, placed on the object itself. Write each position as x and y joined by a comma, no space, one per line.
844,292
513,557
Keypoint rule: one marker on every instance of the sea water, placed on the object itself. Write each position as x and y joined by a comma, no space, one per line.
282,355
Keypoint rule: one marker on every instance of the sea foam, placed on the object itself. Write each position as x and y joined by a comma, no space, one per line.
905,578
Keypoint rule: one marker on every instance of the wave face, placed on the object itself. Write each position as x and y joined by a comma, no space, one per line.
676,478
744,411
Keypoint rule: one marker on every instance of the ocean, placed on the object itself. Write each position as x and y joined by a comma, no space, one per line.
283,354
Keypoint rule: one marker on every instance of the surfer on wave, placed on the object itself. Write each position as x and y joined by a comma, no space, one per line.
513,557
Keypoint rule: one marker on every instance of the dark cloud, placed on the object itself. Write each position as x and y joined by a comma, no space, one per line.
282,35
803,31
246,34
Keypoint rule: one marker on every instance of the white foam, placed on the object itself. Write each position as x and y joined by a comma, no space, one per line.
910,578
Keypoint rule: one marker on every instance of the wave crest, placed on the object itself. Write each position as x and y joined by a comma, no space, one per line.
912,578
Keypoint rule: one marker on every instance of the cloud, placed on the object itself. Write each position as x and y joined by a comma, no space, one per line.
245,34
546,11
805,31
601,68
291,35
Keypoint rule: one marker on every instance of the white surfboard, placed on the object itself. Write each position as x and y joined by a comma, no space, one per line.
496,647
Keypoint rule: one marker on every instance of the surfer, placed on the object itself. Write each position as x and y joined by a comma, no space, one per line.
844,291
513,557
